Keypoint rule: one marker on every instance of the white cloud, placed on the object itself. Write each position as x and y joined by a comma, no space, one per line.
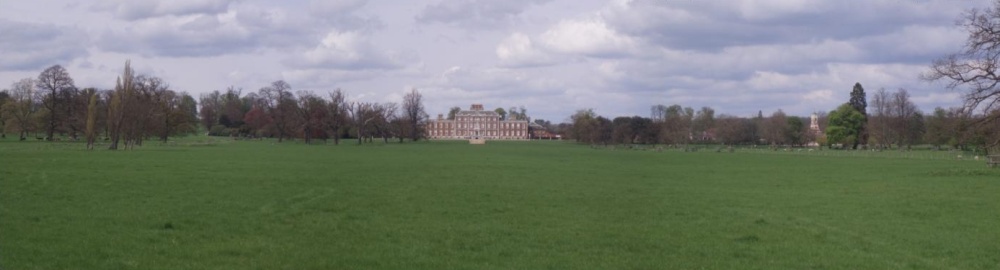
350,51
517,50
495,81
245,29
823,95
553,56
587,37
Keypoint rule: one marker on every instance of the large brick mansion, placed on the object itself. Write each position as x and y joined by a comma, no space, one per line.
477,123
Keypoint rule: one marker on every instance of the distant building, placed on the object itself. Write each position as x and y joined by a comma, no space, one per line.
476,123
538,132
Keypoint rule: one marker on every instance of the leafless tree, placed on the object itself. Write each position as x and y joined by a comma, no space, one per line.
51,82
311,112
733,130
232,108
902,122
362,114
774,128
384,115
414,116
280,105
878,120
703,123
211,106
675,123
20,109
336,114
975,67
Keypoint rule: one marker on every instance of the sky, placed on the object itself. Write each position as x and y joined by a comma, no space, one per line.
552,57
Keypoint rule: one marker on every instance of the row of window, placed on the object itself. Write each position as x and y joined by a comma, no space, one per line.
477,119
489,126
439,133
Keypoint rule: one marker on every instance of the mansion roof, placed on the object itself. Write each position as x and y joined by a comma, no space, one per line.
478,113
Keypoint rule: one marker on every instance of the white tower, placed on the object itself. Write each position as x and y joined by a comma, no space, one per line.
814,124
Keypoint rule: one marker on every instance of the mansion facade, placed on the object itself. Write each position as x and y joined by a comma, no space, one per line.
476,123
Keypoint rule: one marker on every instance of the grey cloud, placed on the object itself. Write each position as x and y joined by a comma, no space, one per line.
326,8
30,46
713,25
476,14
242,29
204,36
138,10
250,30
343,15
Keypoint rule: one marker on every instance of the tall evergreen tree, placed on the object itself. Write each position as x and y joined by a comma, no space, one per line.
858,100
860,104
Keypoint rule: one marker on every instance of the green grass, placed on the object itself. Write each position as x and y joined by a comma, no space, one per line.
204,203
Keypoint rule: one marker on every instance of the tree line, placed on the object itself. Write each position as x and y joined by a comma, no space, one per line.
143,107
139,108
677,125
894,122
275,112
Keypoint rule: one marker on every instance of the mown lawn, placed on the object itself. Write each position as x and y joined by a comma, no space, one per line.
203,203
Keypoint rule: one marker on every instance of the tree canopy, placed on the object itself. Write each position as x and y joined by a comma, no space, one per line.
844,125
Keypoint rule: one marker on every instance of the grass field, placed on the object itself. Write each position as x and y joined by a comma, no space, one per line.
216,204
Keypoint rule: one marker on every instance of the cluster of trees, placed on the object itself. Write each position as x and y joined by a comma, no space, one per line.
894,121
676,125
140,107
274,111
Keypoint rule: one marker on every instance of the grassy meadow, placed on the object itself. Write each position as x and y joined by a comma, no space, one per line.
204,203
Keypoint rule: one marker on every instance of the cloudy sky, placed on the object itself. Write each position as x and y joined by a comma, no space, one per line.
551,56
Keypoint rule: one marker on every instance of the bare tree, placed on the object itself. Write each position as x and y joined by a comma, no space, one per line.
878,120
21,107
732,130
336,114
361,117
414,116
232,108
280,106
312,112
50,82
775,127
702,123
384,115
903,113
675,124
975,67
211,106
